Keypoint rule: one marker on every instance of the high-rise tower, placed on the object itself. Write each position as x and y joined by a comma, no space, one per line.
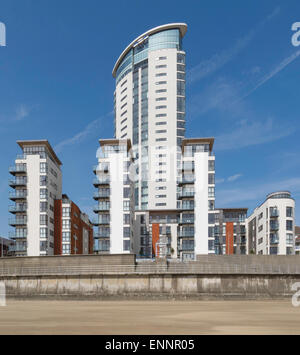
150,111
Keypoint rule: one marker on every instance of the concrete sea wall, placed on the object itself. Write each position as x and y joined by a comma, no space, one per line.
121,276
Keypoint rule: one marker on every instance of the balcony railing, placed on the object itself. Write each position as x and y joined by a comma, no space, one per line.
274,226
99,208
186,194
18,169
14,235
274,213
186,234
16,209
99,195
17,182
17,221
101,235
186,221
18,248
188,207
98,182
18,195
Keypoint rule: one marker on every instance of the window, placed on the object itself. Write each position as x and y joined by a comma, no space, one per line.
126,218
66,249
290,239
161,58
160,123
43,180
160,82
43,220
66,237
126,205
211,165
161,131
160,91
260,228
66,212
126,232
161,99
43,206
289,225
161,107
43,193
160,74
161,115
66,224
289,211
211,179
43,232
161,139
181,104
211,192
43,168
126,192
126,245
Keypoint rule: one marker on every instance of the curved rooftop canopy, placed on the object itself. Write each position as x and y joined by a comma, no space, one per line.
181,26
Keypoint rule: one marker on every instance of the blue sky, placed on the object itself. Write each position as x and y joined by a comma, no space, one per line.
243,87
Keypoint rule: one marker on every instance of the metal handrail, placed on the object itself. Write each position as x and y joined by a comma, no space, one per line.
182,268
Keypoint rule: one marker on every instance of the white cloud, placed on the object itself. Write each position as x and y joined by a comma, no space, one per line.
275,71
22,112
234,177
217,61
247,134
81,136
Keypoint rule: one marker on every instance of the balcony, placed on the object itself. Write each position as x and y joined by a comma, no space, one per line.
101,235
186,221
99,168
274,213
18,169
14,235
17,222
100,208
184,194
187,207
274,239
274,226
186,248
17,209
186,234
17,182
17,195
18,248
98,182
186,180
101,195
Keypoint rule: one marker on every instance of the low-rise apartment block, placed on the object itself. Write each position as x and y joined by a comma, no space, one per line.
230,231
270,228
73,231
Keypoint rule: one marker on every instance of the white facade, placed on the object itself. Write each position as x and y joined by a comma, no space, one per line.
197,193
270,228
150,111
37,182
115,198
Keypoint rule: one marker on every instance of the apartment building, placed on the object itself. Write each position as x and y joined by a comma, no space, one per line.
229,231
36,184
196,192
270,228
114,196
149,104
73,231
